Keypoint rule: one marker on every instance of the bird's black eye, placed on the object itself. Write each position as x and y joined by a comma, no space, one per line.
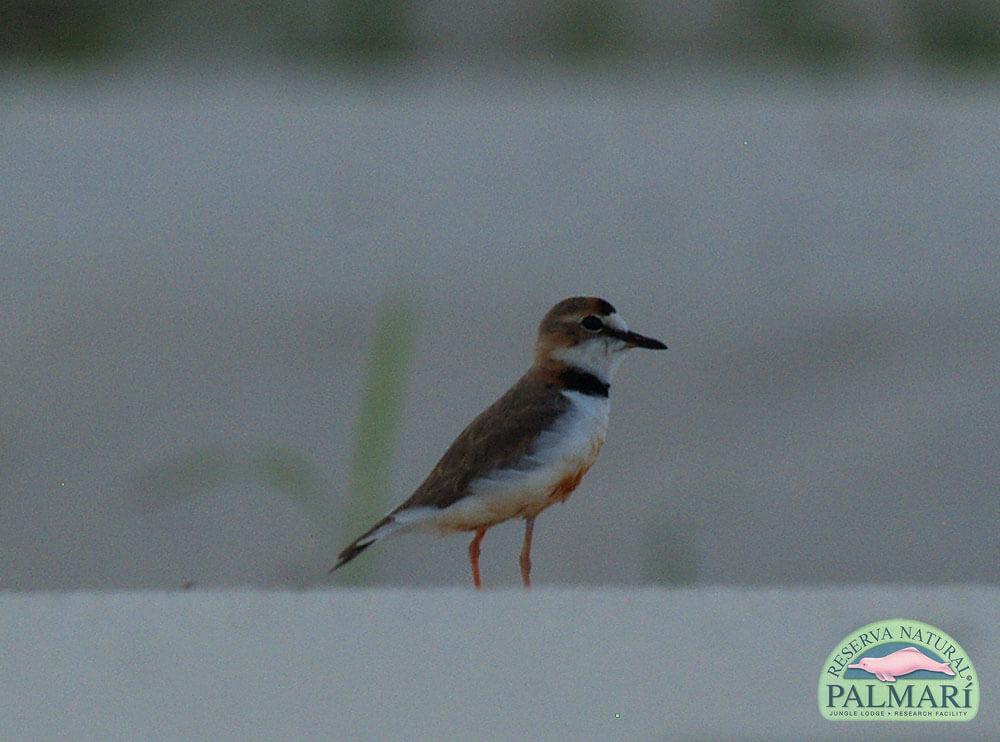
592,323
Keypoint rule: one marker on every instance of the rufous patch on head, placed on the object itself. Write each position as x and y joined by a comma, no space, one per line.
560,328
574,307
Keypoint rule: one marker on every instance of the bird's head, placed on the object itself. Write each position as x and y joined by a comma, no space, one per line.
586,332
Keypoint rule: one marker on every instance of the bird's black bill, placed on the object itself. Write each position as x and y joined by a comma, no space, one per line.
635,340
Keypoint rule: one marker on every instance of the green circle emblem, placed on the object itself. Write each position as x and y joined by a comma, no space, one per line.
898,670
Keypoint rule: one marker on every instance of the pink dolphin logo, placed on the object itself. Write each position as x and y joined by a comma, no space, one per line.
900,662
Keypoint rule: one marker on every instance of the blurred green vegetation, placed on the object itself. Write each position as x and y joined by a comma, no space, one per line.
285,472
962,35
588,29
57,31
197,471
668,555
378,423
801,32
353,31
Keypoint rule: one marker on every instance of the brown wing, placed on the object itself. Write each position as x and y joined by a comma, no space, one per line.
497,439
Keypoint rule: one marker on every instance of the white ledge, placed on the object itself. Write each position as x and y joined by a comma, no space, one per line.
452,664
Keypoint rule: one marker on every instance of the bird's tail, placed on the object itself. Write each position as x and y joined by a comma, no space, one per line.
377,532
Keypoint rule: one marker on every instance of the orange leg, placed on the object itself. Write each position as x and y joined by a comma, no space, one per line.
474,557
529,526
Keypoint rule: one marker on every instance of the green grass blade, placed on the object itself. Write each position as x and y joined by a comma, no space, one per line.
378,427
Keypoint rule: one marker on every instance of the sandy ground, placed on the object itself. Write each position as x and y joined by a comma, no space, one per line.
197,263
449,664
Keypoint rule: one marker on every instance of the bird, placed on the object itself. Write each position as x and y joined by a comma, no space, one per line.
530,448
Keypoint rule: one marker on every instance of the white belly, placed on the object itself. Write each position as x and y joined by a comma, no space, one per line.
561,454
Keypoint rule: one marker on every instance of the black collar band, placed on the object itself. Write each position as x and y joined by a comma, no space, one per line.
578,380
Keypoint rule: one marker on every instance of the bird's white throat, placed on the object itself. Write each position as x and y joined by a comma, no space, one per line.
600,355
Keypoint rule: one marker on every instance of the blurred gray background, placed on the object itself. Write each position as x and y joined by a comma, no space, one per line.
209,218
